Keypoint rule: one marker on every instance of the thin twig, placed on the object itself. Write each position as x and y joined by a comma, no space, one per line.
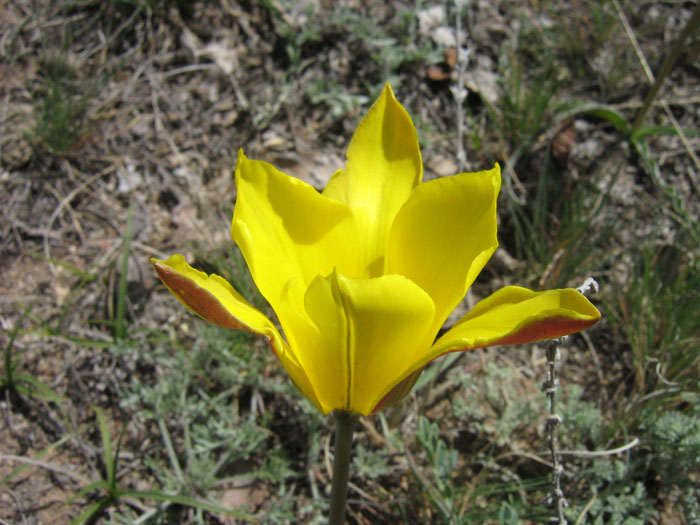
600,453
695,17
549,387
459,92
667,66
46,466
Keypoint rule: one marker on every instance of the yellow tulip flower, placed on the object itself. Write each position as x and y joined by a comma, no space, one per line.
363,275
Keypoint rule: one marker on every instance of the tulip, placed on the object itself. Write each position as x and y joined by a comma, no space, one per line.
363,275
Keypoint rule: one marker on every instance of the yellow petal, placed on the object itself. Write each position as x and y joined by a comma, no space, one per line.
443,236
512,315
288,234
383,166
367,329
214,299
515,315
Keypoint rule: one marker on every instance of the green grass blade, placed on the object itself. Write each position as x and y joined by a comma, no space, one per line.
647,131
106,448
101,484
171,450
115,458
91,511
614,117
11,364
41,390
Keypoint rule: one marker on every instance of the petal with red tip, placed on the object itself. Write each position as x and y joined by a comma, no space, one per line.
214,299
515,315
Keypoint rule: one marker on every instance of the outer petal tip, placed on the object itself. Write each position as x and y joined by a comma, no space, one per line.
388,91
182,280
515,315
535,316
575,314
214,299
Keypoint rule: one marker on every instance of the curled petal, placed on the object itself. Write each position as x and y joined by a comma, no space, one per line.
214,299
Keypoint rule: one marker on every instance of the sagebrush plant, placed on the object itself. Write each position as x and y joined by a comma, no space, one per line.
482,411
334,97
616,495
60,104
370,464
442,461
201,408
582,421
674,439
603,489
112,497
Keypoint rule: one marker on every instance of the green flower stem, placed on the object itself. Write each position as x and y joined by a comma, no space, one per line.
344,426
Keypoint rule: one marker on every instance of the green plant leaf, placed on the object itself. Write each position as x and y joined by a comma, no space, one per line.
606,113
90,512
41,390
647,131
100,484
109,458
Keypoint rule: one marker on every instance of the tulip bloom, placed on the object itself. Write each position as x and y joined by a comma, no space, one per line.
363,275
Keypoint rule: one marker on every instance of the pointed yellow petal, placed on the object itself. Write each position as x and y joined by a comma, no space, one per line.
512,315
288,234
367,330
211,297
214,299
383,166
515,315
443,236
